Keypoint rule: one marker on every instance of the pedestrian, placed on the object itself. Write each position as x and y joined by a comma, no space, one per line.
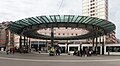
13,50
75,52
7,51
59,51
10,50
81,52
86,52
90,52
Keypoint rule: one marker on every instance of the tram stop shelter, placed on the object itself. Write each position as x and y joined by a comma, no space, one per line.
28,27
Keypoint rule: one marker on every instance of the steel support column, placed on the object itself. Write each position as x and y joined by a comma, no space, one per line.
93,44
24,45
46,46
103,44
100,43
67,47
52,36
20,45
96,47
24,41
29,45
20,41
93,39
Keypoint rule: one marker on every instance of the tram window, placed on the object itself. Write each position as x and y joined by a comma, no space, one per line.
84,48
90,48
73,48
113,48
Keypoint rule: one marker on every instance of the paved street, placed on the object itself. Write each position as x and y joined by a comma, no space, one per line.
63,60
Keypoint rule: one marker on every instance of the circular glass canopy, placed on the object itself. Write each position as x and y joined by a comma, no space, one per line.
32,27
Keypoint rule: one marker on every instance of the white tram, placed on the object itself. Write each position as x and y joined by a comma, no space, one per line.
113,49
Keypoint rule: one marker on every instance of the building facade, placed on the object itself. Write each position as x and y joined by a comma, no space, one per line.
99,9
95,8
6,37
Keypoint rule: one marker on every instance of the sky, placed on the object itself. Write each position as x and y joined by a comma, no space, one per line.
12,10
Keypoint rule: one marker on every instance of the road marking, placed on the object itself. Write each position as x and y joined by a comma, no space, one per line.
107,60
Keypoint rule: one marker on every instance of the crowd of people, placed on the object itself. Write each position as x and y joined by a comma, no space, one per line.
86,52
54,51
11,50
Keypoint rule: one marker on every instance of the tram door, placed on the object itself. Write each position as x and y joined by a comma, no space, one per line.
98,50
34,47
63,49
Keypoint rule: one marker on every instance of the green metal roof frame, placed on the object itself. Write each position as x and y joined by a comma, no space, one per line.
28,27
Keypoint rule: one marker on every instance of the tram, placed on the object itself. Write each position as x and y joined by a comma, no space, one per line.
112,49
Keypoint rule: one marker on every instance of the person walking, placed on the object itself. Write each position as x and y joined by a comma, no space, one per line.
81,52
7,51
59,51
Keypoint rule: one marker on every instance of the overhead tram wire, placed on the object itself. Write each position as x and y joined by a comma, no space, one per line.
59,7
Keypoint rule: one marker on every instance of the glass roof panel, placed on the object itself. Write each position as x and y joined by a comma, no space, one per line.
18,26
75,17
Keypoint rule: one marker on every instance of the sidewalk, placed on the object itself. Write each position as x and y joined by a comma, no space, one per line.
47,53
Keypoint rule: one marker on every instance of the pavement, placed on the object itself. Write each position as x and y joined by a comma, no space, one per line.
43,59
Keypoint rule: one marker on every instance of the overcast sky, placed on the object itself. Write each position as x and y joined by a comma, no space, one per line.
11,10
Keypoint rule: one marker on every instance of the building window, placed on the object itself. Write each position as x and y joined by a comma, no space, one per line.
92,7
66,27
92,14
72,34
92,0
92,4
92,11
58,33
63,33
